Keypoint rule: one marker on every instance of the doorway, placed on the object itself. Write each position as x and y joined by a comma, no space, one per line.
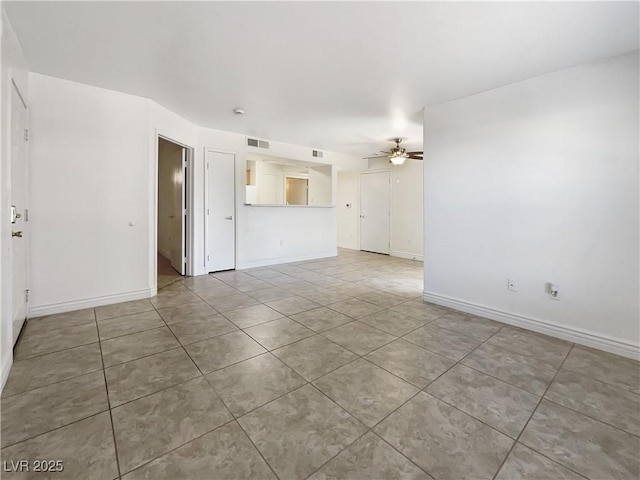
172,213
220,215
375,211
19,212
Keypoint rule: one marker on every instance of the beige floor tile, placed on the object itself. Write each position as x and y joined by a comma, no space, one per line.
41,410
355,308
321,319
193,331
225,453
292,305
365,391
443,441
219,352
410,362
184,313
586,446
250,384
358,337
38,341
147,375
173,296
250,316
300,431
525,464
600,401
271,293
393,322
606,367
427,312
232,302
523,371
137,322
124,349
498,404
278,333
523,342
85,450
444,342
475,327
314,356
122,309
382,299
368,458
154,425
52,368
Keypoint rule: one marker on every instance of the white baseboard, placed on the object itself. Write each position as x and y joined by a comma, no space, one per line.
582,337
410,256
276,261
7,363
70,306
350,246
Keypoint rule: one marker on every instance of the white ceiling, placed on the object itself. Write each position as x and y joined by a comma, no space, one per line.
335,76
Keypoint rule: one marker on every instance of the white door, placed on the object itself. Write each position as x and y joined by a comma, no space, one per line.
19,214
179,217
375,201
221,215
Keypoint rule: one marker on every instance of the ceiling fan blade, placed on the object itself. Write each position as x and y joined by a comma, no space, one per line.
416,157
414,153
372,158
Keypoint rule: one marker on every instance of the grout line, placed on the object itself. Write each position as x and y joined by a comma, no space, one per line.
106,386
531,416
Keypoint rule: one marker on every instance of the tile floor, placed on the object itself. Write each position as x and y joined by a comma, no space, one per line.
323,369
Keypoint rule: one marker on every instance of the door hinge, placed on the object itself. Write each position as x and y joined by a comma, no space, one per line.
26,134
184,212
26,214
184,260
26,295
207,211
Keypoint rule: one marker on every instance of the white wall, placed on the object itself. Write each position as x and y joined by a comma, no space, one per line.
321,185
14,69
348,216
406,208
90,189
538,182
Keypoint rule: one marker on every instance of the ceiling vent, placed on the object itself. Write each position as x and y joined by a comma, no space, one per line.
318,154
254,142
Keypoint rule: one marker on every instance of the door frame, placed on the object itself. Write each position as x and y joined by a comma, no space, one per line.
206,204
386,170
188,188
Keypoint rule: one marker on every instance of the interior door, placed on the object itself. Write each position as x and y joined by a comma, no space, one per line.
178,222
19,214
221,215
375,201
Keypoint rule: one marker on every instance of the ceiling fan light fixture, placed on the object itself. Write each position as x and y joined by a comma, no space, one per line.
397,159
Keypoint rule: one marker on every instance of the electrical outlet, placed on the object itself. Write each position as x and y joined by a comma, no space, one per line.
511,285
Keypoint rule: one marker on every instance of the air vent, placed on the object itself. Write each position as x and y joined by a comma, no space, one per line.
318,154
254,142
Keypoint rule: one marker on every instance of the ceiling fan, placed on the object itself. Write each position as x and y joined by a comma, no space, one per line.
397,155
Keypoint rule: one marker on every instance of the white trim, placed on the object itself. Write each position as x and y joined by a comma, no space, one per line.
576,335
7,363
350,246
276,261
410,256
91,302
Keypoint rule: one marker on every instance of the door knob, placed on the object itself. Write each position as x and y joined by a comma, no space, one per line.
230,217
16,234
